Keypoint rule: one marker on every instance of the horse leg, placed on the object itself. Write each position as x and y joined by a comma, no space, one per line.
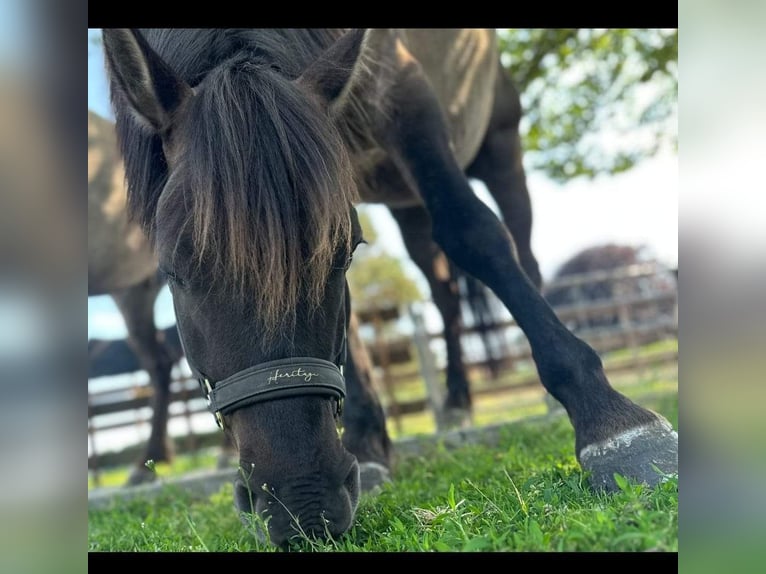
415,225
499,165
137,307
612,434
365,434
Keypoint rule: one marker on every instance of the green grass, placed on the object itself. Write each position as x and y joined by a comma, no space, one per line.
658,347
526,494
180,465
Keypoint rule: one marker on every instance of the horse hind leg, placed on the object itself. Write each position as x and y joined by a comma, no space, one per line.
137,307
415,226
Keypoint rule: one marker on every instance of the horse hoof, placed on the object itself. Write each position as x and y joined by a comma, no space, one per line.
372,476
457,418
634,454
141,475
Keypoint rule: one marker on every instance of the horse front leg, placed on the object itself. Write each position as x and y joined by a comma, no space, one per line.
137,307
612,434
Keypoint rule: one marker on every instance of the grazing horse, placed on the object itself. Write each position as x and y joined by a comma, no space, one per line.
122,264
246,151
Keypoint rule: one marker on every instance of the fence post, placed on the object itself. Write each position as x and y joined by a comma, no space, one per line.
381,347
624,316
428,369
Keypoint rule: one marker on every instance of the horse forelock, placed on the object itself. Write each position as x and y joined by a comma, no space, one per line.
268,188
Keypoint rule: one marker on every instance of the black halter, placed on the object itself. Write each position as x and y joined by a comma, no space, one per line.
278,379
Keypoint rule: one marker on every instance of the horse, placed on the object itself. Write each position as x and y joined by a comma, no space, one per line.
122,263
246,151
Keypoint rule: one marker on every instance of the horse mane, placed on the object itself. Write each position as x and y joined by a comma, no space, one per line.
264,174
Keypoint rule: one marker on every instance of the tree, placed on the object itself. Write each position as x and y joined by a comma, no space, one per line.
594,101
376,278
606,258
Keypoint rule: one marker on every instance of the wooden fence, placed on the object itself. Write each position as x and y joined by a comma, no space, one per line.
638,317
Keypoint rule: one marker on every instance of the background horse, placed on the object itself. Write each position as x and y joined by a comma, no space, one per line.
246,151
121,263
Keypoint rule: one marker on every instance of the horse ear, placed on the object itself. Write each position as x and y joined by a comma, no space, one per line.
152,89
330,73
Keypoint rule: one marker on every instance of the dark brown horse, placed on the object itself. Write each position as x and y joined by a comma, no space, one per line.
122,264
246,151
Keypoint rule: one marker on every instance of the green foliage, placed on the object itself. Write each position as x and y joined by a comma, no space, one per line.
379,280
369,232
376,278
595,101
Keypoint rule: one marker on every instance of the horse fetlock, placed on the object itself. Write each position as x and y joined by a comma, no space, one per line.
644,454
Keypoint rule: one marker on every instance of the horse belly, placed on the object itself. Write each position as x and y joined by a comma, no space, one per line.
119,253
462,67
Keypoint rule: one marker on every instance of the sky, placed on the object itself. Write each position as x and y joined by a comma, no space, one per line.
639,207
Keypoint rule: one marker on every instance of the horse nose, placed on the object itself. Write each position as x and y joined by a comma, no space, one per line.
302,509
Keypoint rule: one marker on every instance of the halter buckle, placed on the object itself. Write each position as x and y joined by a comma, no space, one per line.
208,388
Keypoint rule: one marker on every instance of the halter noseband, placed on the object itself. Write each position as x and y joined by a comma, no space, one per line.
278,379
274,380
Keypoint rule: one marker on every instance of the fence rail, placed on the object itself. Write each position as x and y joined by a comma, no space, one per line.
626,332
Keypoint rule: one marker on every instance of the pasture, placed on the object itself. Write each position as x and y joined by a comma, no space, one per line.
246,152
526,493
